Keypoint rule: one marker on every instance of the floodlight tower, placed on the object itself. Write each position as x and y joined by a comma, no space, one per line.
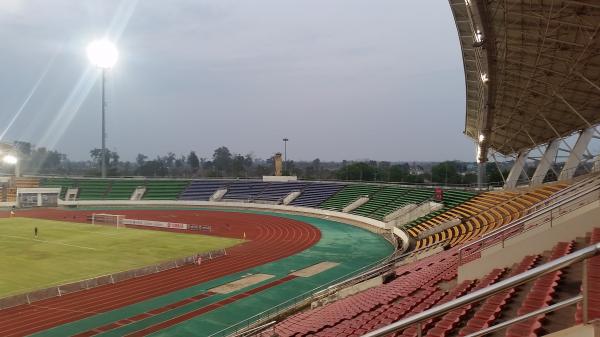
9,155
103,54
285,140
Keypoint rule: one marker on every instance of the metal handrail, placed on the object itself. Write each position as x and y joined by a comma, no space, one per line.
505,324
560,193
489,291
523,220
255,330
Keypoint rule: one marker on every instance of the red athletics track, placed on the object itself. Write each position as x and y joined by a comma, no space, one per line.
270,238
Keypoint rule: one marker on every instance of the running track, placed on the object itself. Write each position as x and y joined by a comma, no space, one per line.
270,238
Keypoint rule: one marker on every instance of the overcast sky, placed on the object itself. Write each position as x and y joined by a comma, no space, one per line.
342,79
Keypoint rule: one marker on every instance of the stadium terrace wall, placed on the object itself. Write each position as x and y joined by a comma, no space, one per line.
369,224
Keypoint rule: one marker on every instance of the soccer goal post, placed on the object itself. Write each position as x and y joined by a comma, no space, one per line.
107,219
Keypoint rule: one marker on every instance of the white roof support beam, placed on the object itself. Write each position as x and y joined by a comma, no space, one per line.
577,154
498,167
594,85
525,58
545,163
573,109
596,166
516,170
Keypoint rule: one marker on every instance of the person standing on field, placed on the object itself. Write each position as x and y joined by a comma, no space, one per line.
35,231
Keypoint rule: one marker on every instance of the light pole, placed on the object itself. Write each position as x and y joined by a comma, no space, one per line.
10,156
285,140
103,54
12,159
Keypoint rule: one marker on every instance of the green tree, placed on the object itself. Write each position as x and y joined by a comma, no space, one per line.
24,148
357,171
248,163
445,173
193,161
493,175
111,159
222,160
399,172
140,159
237,165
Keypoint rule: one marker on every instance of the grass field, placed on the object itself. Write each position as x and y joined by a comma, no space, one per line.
65,251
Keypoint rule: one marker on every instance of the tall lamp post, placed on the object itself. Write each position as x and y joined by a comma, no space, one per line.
285,140
9,156
103,54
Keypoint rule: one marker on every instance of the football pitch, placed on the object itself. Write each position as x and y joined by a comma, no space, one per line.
66,252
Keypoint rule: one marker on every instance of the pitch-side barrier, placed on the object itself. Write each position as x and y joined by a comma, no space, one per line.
97,281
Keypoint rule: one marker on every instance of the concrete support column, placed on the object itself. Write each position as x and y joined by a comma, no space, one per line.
18,168
596,167
576,155
516,170
481,174
545,163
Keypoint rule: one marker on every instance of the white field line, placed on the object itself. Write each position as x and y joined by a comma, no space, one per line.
92,232
46,241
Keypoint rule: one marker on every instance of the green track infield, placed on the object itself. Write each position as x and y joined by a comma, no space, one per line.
65,251
351,249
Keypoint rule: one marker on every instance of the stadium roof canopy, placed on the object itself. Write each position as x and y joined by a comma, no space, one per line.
532,70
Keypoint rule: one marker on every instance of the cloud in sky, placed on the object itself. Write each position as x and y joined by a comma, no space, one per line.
342,79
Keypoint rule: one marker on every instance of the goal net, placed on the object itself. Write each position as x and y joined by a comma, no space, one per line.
107,219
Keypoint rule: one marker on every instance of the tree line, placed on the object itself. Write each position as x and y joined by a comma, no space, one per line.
225,163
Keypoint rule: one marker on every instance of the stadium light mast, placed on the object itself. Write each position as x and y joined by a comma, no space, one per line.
103,54
10,156
285,140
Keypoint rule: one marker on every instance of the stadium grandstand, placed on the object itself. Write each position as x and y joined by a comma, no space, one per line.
288,258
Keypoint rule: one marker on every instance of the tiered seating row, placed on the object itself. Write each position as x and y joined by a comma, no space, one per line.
11,192
316,193
416,289
93,189
241,190
245,191
27,182
117,189
458,291
482,214
348,195
424,274
414,196
202,189
539,296
122,189
384,315
63,183
278,191
164,189
332,196
452,198
491,308
381,199
453,318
